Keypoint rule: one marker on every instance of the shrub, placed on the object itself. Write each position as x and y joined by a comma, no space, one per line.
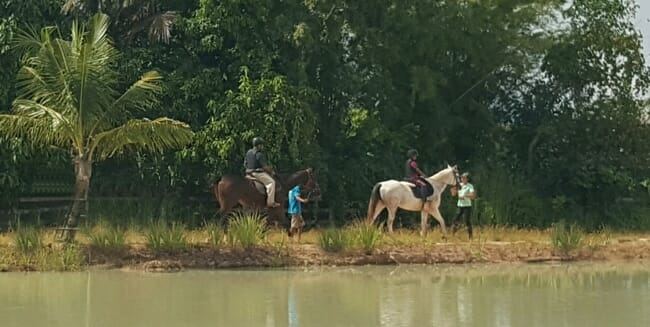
106,236
566,237
246,229
162,236
333,240
215,234
366,235
29,239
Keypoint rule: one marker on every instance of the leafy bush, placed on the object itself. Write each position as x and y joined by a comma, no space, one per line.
246,229
566,237
107,236
366,235
215,234
28,239
333,240
162,236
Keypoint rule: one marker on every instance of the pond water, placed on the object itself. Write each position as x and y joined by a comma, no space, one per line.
486,295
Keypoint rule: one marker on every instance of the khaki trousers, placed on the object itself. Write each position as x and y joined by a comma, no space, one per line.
269,182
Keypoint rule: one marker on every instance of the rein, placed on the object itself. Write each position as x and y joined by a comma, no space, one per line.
309,184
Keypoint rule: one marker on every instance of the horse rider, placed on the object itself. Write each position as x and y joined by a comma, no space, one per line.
413,172
257,166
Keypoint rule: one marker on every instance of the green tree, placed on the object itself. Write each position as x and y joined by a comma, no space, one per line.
67,98
577,127
131,17
269,108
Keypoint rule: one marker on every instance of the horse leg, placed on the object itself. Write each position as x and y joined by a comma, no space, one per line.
436,214
424,224
226,207
391,218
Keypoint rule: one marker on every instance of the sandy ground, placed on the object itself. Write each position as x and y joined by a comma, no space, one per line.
204,257
492,246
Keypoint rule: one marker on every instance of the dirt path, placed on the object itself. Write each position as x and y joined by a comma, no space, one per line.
204,257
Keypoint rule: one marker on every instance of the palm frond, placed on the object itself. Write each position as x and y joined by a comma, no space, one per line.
33,109
142,94
92,78
29,40
161,26
67,96
43,76
158,24
39,131
70,5
141,135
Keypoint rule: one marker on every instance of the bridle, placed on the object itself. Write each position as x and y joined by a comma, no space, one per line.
311,185
456,177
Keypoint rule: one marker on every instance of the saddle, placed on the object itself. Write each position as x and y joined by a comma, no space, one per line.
422,191
259,186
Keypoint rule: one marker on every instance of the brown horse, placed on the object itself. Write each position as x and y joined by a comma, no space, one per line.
232,190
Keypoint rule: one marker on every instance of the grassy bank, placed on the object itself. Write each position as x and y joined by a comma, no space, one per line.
247,242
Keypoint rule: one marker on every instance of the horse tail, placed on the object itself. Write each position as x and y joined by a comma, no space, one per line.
218,193
375,197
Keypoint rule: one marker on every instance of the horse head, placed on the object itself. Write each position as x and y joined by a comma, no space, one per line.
454,169
311,186
306,179
448,176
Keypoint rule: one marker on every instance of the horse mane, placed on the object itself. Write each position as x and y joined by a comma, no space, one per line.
437,176
289,176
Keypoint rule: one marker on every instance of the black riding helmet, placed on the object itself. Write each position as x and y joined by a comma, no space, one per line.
411,153
257,141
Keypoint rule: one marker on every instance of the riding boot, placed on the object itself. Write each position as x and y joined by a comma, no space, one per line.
270,196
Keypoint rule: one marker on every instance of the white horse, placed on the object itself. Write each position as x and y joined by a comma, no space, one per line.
393,194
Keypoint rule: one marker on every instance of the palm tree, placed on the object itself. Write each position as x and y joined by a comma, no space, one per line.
67,98
130,16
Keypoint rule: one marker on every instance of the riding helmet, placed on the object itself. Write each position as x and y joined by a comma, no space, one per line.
257,141
411,153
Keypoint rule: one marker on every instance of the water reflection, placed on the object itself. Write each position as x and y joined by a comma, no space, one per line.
532,295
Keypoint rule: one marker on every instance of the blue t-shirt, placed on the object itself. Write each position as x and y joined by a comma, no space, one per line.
294,205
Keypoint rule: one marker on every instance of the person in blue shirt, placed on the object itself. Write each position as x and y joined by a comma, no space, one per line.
295,210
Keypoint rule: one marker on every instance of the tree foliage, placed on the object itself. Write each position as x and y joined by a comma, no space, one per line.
541,96
67,98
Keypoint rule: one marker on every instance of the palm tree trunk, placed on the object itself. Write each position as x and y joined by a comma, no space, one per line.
83,172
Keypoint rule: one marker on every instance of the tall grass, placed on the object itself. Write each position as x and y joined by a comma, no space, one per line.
28,239
55,258
246,229
107,236
215,234
366,235
31,254
333,240
161,236
566,237
507,200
